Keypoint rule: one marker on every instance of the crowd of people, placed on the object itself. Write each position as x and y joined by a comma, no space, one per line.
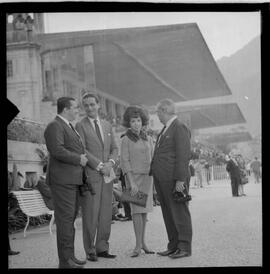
239,172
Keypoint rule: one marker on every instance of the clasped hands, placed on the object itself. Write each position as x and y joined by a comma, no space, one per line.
106,168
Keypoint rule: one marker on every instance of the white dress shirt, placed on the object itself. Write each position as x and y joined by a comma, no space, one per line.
102,136
100,127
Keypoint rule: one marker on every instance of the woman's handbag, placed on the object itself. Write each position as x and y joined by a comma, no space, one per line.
243,177
244,180
139,198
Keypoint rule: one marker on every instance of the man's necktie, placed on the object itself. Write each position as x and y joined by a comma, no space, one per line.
98,131
159,136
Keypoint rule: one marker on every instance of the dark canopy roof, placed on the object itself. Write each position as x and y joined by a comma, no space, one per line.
213,115
145,65
231,137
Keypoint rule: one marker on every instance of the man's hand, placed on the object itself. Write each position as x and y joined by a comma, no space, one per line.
106,169
84,160
179,186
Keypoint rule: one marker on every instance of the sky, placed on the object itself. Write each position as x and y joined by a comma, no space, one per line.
224,32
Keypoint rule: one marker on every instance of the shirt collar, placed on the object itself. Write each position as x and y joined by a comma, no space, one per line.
64,119
92,119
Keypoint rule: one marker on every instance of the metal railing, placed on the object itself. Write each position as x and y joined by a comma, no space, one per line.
215,173
219,172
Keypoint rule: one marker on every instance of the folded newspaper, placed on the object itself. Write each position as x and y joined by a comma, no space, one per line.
112,176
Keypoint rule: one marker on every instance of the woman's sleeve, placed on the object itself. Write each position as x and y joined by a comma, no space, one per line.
125,156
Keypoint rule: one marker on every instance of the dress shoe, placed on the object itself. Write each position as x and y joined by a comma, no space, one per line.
92,257
179,254
147,251
11,252
166,252
77,261
124,219
69,264
116,218
106,254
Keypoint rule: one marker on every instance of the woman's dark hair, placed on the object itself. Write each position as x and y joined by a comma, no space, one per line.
63,102
134,112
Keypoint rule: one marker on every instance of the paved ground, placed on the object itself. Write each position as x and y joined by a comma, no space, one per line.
227,231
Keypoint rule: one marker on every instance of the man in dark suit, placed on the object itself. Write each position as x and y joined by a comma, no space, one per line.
234,172
170,170
101,150
64,175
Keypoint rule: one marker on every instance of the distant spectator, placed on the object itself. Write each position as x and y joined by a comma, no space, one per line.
192,173
243,174
198,172
31,182
248,169
234,172
207,172
255,167
126,205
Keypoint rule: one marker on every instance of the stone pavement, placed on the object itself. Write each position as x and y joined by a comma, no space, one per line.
227,231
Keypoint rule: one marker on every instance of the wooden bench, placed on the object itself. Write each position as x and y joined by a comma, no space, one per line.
32,205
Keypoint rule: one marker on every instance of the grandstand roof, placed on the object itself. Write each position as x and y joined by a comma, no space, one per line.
213,115
227,138
145,65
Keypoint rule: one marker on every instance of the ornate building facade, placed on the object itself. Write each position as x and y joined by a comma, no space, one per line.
36,77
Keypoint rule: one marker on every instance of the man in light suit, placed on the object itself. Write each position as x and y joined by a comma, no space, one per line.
64,175
102,152
170,170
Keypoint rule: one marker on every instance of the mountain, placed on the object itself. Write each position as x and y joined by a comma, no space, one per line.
242,72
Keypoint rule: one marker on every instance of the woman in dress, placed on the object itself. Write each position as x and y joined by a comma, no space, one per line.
135,159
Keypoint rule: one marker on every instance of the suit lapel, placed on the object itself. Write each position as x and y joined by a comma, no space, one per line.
105,133
69,129
163,136
92,130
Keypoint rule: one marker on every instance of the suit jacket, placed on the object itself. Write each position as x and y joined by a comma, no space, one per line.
233,170
97,153
45,191
134,157
65,148
171,157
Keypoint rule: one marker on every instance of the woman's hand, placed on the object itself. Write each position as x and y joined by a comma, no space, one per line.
134,189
